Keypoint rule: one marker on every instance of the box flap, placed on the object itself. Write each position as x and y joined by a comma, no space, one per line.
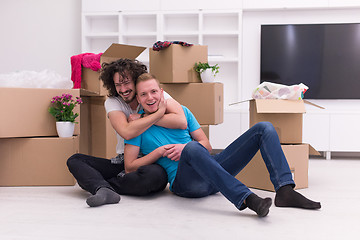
313,151
279,106
313,104
116,51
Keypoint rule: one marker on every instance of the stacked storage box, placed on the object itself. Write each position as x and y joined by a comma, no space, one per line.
97,137
205,100
173,67
287,118
31,153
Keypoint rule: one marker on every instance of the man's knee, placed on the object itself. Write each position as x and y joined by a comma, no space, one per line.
73,159
154,176
266,127
152,171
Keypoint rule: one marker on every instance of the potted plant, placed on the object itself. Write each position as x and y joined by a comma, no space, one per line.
206,72
62,109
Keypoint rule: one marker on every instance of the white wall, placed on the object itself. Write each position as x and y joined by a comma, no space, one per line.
39,34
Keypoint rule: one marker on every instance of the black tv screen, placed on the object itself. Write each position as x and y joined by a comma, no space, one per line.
325,57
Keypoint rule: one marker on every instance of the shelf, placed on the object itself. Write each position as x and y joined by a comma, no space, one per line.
139,23
102,35
99,23
220,22
181,22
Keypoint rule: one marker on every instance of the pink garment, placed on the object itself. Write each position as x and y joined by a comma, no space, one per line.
87,60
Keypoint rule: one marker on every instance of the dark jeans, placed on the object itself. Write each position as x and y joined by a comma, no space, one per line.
93,173
200,174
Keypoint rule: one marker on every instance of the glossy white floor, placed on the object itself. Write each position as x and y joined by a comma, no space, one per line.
61,213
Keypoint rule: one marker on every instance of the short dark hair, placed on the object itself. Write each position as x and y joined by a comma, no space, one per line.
125,67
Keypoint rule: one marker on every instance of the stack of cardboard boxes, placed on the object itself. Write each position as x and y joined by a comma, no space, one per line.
31,153
97,136
287,118
174,68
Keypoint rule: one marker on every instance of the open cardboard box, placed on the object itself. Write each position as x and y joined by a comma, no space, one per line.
256,175
36,161
90,83
285,115
25,112
205,100
175,64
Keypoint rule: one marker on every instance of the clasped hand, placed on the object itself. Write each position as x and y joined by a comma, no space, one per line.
173,151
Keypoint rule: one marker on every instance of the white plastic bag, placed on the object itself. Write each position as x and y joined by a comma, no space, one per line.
33,79
268,90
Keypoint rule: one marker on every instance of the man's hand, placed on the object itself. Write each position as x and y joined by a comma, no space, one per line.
173,151
162,104
133,117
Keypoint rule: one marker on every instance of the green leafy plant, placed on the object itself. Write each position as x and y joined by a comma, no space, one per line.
201,67
63,106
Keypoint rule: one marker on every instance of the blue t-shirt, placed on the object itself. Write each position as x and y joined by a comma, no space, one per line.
157,136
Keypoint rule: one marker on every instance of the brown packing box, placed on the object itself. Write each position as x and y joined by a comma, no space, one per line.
205,100
285,115
205,128
36,161
90,79
175,64
256,175
97,137
25,112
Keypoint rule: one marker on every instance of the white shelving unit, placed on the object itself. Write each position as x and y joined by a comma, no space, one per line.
232,36
219,30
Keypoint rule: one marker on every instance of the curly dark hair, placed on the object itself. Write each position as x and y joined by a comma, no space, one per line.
124,67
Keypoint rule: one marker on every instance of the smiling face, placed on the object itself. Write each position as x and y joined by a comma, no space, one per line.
149,94
125,87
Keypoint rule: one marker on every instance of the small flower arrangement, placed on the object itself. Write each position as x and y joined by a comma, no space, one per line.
63,107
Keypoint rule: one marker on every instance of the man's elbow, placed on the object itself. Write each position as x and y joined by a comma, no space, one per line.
183,125
129,169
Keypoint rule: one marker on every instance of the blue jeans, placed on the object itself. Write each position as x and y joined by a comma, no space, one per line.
200,174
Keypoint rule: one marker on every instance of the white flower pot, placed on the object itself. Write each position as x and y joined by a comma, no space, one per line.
207,76
65,129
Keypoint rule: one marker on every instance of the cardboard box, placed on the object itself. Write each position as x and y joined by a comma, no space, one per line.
205,100
36,161
175,64
25,112
256,175
206,130
97,136
285,115
90,79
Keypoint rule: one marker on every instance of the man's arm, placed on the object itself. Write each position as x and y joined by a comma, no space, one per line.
174,116
132,162
199,135
173,151
130,129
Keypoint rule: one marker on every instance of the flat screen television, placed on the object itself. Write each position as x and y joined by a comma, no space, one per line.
325,57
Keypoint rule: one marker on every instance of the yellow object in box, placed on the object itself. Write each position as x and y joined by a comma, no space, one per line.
36,161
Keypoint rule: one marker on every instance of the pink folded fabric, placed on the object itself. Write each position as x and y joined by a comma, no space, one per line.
87,60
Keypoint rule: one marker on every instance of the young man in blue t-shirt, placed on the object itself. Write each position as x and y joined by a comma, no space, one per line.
193,172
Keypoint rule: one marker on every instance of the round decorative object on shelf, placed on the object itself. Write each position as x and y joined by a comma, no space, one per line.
207,76
65,129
